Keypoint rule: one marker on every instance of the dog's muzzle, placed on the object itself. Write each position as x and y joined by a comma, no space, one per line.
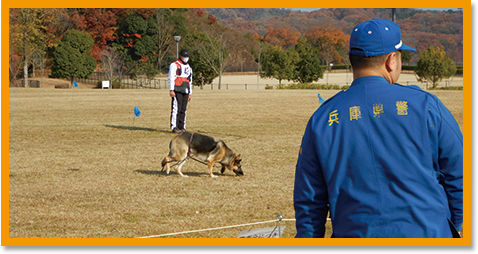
238,171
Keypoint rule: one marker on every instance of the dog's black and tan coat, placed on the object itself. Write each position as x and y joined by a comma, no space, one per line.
203,148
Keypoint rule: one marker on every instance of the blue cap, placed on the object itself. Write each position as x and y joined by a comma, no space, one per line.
376,37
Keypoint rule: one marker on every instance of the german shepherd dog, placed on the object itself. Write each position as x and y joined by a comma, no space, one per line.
201,148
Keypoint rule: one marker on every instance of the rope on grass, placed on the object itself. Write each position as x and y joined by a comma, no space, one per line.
209,229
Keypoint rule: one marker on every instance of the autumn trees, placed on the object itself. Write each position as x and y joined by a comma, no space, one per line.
420,28
330,42
283,36
100,23
140,37
29,37
214,47
278,42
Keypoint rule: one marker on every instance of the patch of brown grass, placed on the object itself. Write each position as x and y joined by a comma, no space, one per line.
81,167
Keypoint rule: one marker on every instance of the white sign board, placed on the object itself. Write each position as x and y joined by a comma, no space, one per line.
272,232
105,84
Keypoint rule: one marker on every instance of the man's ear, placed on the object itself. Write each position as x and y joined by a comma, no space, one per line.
391,62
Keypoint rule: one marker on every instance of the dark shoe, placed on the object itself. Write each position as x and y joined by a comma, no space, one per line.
176,130
183,130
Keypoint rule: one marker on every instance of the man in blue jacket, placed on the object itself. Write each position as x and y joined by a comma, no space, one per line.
385,160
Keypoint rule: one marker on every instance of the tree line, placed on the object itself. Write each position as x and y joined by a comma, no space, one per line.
74,42
329,27
133,42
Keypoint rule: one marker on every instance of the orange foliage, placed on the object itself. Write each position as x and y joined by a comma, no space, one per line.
328,40
282,36
99,23
144,58
198,11
131,43
132,35
212,20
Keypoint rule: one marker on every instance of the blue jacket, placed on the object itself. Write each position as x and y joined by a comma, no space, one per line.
386,160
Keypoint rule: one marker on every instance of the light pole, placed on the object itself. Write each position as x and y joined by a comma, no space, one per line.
177,39
330,67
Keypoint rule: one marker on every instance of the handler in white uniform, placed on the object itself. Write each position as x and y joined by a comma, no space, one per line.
180,90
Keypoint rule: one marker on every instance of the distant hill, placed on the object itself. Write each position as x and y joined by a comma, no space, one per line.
248,14
421,28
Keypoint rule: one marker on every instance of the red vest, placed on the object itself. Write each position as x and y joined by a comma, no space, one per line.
182,79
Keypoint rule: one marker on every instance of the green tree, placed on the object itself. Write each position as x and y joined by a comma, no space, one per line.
406,56
202,73
72,57
434,65
308,67
279,64
204,59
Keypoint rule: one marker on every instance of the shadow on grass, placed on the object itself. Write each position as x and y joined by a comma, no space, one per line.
173,173
134,128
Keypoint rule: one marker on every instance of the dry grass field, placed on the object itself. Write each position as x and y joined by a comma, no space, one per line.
82,167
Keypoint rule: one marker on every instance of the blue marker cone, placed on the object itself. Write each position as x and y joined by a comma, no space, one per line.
320,99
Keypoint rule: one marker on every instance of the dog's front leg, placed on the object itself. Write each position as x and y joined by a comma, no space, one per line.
180,165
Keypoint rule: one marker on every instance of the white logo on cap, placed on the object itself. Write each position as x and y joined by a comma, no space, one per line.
399,45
